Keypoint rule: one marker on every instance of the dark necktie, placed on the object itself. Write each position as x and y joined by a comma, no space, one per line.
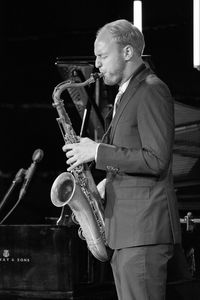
117,101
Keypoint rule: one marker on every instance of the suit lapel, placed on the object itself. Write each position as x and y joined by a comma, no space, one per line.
127,97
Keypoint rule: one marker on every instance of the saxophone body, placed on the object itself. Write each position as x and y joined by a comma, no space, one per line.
77,188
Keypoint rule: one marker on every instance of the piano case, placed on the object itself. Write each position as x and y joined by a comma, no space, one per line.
40,260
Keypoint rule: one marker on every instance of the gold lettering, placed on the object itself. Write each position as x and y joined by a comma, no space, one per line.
21,259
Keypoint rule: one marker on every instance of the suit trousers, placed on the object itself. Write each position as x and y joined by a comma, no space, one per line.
140,273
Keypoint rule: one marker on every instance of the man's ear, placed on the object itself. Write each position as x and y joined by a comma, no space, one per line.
128,52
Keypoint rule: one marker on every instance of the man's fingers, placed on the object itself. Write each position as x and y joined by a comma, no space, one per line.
68,147
71,160
69,153
72,166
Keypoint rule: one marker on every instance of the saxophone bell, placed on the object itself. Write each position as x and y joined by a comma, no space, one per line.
66,191
63,189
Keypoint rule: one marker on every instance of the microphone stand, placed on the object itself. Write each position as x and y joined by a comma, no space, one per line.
18,178
26,175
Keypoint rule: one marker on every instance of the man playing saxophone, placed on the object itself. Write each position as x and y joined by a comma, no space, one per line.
141,215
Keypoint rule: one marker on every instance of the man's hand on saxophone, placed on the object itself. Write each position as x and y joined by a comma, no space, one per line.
79,153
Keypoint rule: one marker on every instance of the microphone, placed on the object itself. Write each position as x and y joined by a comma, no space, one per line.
37,157
18,178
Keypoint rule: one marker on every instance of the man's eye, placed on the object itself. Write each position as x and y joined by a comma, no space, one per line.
104,56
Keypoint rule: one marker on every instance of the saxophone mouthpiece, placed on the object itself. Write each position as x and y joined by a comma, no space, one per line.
96,76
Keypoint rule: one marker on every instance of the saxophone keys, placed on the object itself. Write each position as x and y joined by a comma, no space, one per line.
80,234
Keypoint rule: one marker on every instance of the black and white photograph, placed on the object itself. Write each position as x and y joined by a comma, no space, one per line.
100,150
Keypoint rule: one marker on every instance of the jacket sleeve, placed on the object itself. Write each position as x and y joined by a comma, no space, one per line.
155,122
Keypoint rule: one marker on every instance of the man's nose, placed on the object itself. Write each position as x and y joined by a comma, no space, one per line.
97,63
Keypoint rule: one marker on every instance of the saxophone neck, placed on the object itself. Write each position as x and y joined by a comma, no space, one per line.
68,83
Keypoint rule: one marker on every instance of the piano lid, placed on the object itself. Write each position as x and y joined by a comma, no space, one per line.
186,152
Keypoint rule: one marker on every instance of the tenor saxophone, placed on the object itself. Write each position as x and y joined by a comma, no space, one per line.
77,188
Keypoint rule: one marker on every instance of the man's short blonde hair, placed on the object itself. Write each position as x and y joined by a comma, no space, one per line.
125,33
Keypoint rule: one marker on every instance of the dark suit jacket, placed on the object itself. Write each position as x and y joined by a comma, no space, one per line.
141,205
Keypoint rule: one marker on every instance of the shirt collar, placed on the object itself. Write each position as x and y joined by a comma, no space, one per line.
123,87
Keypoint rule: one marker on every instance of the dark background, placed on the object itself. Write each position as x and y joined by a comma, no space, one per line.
33,35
